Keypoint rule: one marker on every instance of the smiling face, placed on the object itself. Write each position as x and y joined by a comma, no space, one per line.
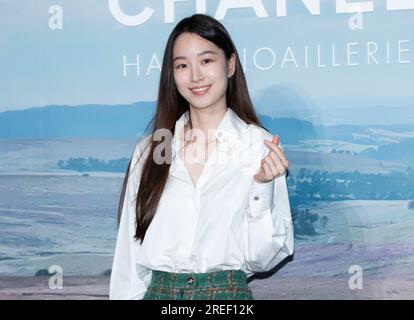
199,63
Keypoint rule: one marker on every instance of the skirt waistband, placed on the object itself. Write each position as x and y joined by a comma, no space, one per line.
223,278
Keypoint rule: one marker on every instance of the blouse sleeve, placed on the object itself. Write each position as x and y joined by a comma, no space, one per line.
268,229
129,281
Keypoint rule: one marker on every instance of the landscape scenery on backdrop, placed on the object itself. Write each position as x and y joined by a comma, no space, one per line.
72,109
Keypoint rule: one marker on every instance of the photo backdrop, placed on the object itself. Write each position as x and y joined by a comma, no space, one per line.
334,79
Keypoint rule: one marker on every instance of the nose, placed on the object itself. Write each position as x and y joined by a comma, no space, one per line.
196,73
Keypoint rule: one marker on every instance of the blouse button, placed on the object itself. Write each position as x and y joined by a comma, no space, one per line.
256,198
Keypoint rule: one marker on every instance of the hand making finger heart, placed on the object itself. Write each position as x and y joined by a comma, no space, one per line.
274,164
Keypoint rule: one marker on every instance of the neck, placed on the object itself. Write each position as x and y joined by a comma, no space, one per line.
206,119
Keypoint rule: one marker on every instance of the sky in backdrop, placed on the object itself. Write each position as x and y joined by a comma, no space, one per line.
83,63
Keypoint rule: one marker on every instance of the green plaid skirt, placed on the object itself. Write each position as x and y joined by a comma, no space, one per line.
216,285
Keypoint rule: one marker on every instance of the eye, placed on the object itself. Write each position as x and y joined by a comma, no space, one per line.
179,66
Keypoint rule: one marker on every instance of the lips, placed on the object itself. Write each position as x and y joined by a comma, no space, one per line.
200,90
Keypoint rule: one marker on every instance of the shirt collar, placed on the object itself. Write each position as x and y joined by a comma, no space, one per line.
228,132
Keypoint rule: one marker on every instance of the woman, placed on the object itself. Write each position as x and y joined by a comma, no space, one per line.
207,206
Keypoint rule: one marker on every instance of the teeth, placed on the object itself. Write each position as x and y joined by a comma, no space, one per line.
200,89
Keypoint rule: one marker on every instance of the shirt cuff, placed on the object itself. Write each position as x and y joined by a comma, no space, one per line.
261,197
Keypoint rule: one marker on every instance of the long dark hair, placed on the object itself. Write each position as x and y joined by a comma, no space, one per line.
171,105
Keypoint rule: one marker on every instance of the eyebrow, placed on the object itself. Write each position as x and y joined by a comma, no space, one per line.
200,54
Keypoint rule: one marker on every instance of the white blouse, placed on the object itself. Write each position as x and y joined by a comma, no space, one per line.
227,221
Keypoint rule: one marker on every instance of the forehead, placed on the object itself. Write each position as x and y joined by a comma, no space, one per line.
190,44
